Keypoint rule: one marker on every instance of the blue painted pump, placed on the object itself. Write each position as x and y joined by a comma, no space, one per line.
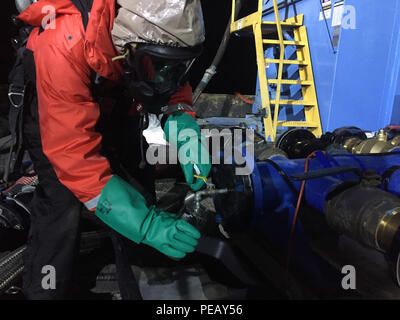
271,190
275,198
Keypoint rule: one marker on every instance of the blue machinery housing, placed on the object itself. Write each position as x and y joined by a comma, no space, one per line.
355,52
345,195
356,62
272,192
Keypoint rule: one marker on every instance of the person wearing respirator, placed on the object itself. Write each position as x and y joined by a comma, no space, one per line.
151,46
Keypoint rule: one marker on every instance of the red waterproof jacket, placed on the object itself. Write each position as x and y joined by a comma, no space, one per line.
65,57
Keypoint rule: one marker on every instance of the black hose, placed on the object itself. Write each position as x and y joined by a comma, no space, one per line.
284,176
11,267
212,70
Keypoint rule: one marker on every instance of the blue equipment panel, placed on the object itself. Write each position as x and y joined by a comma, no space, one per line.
275,201
356,64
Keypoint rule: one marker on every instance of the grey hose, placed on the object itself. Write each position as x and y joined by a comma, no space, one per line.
212,70
11,267
12,264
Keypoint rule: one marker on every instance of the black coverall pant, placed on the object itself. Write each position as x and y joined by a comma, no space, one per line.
56,213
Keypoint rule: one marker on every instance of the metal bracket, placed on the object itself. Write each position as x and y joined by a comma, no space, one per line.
12,92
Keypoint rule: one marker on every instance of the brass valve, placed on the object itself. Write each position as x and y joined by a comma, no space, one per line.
378,144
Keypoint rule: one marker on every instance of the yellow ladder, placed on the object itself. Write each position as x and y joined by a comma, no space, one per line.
261,29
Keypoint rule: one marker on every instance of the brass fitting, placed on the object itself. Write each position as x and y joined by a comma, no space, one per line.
379,144
387,229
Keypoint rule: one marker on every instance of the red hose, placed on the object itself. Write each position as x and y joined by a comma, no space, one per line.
303,184
237,94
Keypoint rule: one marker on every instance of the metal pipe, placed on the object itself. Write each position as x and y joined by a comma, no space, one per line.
366,214
358,208
275,188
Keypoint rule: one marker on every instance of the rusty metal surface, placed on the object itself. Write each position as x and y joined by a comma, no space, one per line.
222,105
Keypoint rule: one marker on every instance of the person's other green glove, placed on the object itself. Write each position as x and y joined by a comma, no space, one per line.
190,147
124,209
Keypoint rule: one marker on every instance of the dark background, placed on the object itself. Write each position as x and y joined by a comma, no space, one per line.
236,72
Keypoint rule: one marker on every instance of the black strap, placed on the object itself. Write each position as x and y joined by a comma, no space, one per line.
84,6
143,124
16,96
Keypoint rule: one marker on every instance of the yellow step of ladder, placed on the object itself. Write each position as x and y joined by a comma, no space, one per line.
262,29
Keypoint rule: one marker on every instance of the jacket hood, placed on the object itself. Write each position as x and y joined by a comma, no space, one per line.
98,46
36,13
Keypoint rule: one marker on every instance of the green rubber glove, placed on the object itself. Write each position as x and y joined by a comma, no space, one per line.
124,209
190,147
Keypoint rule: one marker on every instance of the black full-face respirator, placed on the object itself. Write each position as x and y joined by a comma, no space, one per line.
153,73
